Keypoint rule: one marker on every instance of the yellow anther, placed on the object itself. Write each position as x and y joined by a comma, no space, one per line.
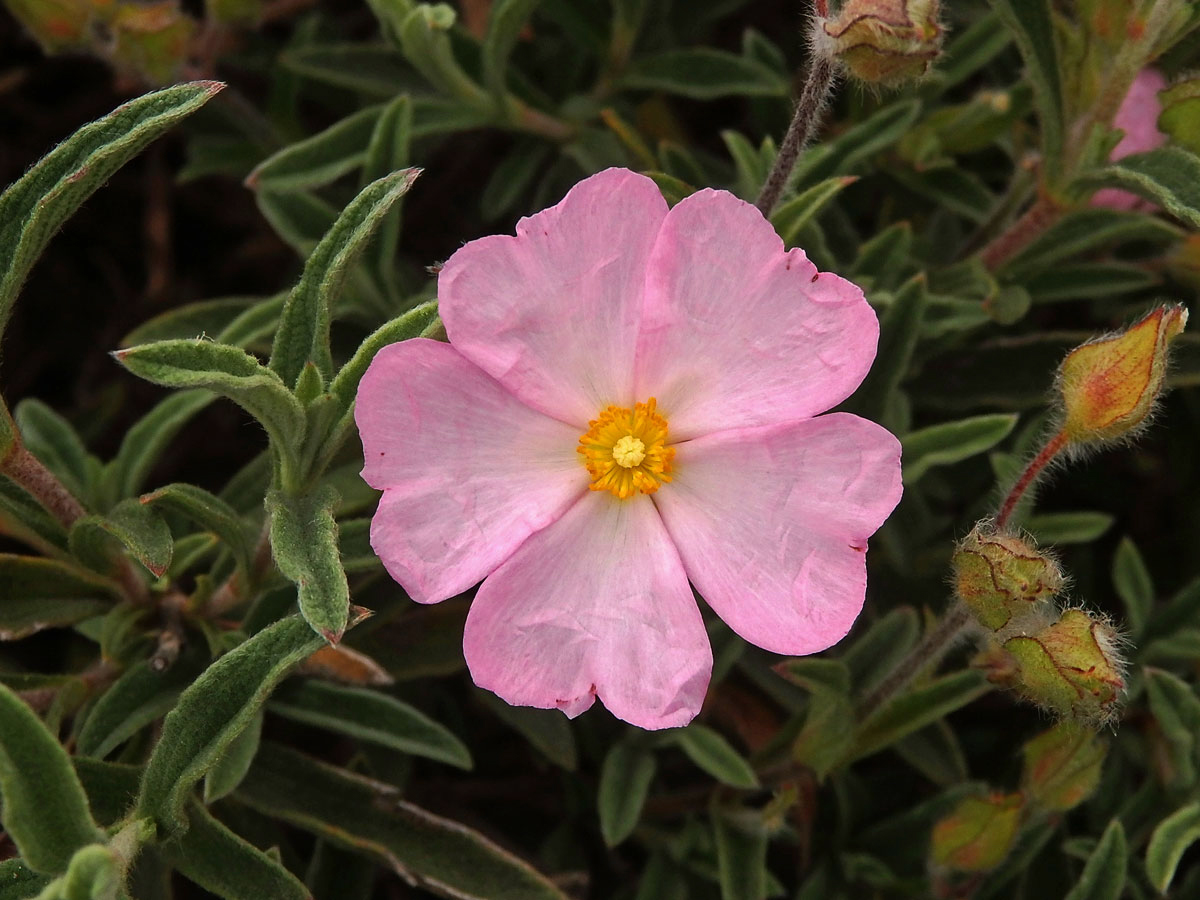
625,450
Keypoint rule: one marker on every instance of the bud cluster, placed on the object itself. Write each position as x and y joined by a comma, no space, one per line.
883,42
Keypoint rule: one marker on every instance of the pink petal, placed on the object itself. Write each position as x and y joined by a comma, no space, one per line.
553,312
772,524
468,472
597,604
1138,118
738,332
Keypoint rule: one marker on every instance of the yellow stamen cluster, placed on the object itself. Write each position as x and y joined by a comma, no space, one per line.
626,451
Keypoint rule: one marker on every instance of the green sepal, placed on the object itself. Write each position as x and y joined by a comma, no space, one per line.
370,716
303,334
625,779
139,529
211,714
45,810
304,541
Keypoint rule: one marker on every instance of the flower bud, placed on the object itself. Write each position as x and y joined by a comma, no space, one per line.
58,24
1062,766
151,39
884,42
1001,576
1109,385
1071,667
978,833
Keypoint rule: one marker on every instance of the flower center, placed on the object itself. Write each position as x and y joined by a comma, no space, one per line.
626,451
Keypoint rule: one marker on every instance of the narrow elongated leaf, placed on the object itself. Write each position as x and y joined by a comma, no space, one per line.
505,21
388,151
376,70
875,653
899,329
211,713
304,542
790,218
23,616
547,730
1084,231
136,699
1168,176
146,440
370,716
229,866
227,371
207,510
709,750
319,159
1176,707
1169,841
408,325
228,771
111,788
1069,527
431,852
1089,281
46,579
703,73
859,143
741,856
45,810
34,207
952,442
624,782
1033,28
916,709
198,320
1104,873
53,440
1132,581
139,529
303,334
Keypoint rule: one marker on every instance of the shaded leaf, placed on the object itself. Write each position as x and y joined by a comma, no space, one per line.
709,750
1103,876
703,73
625,780
951,442
1169,841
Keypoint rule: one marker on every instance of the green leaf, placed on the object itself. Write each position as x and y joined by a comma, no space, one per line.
790,218
1083,231
917,708
227,371
389,151
967,53
1068,527
859,143
49,579
211,713
1133,584
18,881
34,207
1169,841
1033,28
951,442
424,38
207,510
1090,281
828,725
874,653
370,716
1104,872
218,860
625,780
23,616
1175,706
136,699
53,440
1168,176
709,750
369,817
204,318
320,159
147,439
548,730
409,325
45,811
111,788
505,21
228,771
899,329
1173,616
305,545
741,855
376,70
703,73
303,334
139,530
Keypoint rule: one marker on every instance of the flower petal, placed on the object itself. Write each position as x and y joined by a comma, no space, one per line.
736,331
553,312
1138,118
596,604
468,471
772,524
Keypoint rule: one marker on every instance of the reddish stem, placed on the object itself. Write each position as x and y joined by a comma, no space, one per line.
1029,476
1034,221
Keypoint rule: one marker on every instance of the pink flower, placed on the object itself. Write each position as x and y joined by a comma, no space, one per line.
1138,118
626,404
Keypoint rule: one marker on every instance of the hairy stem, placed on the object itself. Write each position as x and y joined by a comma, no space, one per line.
810,106
43,485
1035,468
1044,213
927,654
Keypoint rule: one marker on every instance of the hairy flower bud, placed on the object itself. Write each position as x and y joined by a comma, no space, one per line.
58,24
1109,385
884,42
978,833
1062,766
1001,576
1071,667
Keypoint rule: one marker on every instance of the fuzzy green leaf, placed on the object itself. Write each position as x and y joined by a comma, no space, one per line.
34,207
317,160
859,143
19,882
876,651
1104,873
304,541
23,616
53,440
741,855
1069,527
790,218
210,715
1085,231
228,865
624,782
1133,584
709,750
303,334
703,73
370,716
1033,28
207,510
1090,281
899,329
1169,841
139,529
388,151
951,442
1175,706
917,708
376,70
47,579
45,810
1168,176
505,21
147,439
136,699
370,818
228,771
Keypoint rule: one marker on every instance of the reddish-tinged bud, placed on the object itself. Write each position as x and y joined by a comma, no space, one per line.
978,834
58,24
1109,386
883,42
1071,667
1003,576
151,39
1062,766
